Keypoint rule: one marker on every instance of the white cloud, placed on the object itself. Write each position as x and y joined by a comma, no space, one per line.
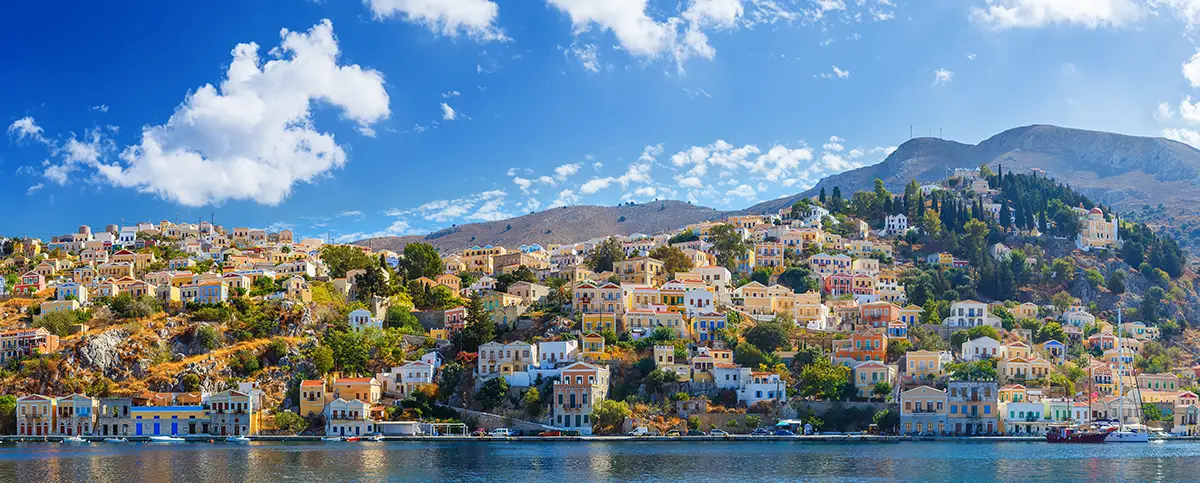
643,192
679,37
490,205
448,113
1008,14
26,127
57,173
523,183
451,94
744,191
1191,69
971,56
474,18
692,182
1189,111
637,173
397,228
34,189
101,108
1164,112
565,197
596,184
841,74
350,213
587,55
561,173
834,144
1186,136
942,77
254,137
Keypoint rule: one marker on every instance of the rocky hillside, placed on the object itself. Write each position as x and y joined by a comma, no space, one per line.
560,225
1126,172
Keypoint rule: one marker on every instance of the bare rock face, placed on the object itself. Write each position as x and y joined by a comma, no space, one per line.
101,353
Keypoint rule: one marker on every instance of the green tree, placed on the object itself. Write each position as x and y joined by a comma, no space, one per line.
290,422
8,414
343,258
479,328
753,421
1051,331
322,360
799,279
674,260
207,337
1061,301
373,282
1094,278
658,380
881,390
768,336
1116,282
190,382
823,380
609,416
728,244
58,323
399,317
1152,302
421,260
761,275
492,393
532,400
607,253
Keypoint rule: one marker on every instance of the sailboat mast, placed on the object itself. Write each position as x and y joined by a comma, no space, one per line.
1120,373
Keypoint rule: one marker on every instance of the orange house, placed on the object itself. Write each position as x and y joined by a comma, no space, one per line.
861,346
877,315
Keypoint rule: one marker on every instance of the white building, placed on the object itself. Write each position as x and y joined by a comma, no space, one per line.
361,319
965,314
896,224
761,386
982,348
552,353
348,418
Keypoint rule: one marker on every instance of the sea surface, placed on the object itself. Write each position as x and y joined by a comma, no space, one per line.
598,461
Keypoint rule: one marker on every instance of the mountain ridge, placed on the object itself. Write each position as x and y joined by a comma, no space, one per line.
1122,171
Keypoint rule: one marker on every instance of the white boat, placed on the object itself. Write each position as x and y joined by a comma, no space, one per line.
116,440
74,440
376,438
237,439
330,439
165,439
1130,433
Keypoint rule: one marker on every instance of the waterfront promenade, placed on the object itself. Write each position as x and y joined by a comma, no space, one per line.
822,438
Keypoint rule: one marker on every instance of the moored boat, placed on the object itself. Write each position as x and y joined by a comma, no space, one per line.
376,438
116,440
74,440
1067,434
353,439
331,439
237,439
165,439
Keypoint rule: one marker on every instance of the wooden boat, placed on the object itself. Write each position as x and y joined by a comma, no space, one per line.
1074,435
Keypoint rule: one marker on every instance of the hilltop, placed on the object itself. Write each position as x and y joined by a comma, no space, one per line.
1125,172
560,225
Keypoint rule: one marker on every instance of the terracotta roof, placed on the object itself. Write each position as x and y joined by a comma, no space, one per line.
312,382
351,379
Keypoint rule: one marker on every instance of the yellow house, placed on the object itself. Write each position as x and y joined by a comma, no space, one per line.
439,334
923,410
1024,311
234,413
598,322
641,271
312,397
925,364
35,415
870,373
365,389
592,348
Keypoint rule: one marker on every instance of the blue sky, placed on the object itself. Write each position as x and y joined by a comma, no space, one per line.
392,117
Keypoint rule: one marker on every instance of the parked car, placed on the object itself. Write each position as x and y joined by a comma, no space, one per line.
695,432
673,432
500,432
552,432
717,432
479,432
760,432
784,432
639,431
571,432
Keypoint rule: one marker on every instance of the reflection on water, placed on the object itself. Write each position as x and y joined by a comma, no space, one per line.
641,461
